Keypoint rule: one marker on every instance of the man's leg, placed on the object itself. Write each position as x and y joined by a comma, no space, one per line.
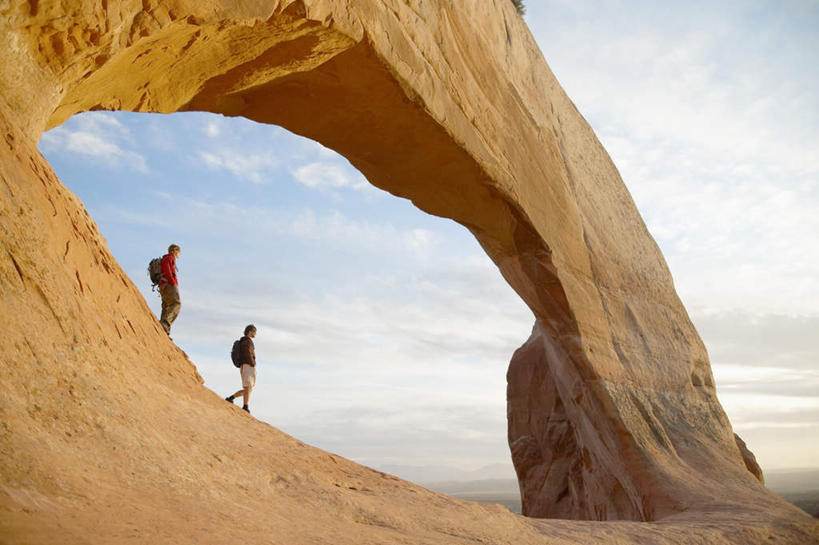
237,394
245,393
248,381
170,306
163,293
174,306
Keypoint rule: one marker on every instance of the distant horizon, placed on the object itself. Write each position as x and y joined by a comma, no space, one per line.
495,465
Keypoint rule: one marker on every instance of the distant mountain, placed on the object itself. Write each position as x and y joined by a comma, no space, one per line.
425,475
798,486
490,487
777,480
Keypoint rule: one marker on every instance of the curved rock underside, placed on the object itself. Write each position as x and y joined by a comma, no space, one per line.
106,429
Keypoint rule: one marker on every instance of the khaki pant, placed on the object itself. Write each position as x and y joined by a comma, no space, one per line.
248,376
171,304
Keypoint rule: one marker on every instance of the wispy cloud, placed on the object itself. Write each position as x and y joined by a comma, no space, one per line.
329,175
434,431
759,342
222,220
97,135
212,129
254,167
420,240
728,233
387,330
710,127
101,122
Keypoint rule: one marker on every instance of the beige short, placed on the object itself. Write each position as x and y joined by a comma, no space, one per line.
248,376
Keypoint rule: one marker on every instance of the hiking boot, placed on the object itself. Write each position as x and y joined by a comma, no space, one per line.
244,408
229,398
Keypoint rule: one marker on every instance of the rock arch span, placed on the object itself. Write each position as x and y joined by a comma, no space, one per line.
611,402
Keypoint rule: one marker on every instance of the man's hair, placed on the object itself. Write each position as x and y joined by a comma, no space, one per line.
250,328
173,247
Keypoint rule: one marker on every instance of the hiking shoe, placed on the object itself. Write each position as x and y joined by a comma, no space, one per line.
244,408
229,398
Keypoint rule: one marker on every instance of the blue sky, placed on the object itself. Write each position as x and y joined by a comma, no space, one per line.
385,333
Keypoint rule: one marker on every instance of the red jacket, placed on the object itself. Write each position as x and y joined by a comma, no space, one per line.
169,270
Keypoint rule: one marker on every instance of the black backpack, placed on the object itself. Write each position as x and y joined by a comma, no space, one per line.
155,271
234,353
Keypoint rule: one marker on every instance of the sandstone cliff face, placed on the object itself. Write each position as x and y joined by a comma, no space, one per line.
611,402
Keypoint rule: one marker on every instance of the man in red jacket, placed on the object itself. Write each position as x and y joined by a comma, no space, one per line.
169,289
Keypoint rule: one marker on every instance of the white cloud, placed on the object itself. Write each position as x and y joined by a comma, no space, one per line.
91,144
229,219
364,342
420,240
97,135
254,167
442,431
341,229
326,175
762,342
100,123
727,236
714,139
678,86
212,129
752,411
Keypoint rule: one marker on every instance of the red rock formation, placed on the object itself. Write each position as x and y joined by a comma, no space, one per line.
749,459
106,427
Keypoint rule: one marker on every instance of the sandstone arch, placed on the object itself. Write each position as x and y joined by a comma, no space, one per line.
612,408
